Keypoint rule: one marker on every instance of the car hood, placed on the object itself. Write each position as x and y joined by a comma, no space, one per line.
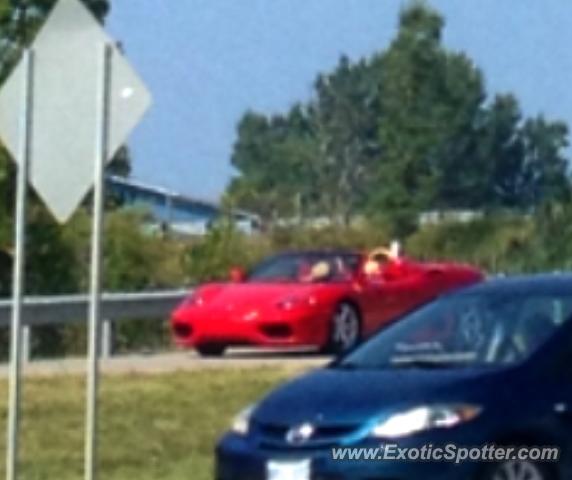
339,396
247,295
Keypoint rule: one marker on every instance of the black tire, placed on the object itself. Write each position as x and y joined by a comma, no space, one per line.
517,470
211,350
345,331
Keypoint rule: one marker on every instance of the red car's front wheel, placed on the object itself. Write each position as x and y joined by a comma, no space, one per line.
211,349
345,329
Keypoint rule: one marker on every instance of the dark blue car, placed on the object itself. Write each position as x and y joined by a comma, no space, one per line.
488,366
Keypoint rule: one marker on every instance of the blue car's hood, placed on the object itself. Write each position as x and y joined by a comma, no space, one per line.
341,396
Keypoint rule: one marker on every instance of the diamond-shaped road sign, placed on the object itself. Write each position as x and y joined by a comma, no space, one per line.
67,69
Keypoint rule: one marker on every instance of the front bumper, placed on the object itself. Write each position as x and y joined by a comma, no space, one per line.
238,459
275,330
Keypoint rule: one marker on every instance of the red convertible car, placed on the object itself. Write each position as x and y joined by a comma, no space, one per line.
327,299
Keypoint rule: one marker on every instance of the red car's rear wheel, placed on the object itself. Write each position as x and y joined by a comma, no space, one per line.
345,329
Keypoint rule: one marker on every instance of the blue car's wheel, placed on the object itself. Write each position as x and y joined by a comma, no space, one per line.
517,470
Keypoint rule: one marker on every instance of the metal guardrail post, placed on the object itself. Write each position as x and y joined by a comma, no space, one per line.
107,339
26,344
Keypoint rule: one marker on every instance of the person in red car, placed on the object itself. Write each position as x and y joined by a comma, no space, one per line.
329,299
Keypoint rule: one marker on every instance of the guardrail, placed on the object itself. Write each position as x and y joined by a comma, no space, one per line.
69,309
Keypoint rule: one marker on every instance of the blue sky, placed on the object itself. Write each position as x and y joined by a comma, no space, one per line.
208,61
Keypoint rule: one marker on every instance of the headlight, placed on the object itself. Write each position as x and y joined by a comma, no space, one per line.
425,418
194,300
241,423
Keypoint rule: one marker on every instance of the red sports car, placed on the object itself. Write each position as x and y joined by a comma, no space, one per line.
327,299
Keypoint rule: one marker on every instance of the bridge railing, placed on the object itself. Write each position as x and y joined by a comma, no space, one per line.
72,309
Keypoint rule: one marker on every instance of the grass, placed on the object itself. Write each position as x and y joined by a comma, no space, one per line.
151,427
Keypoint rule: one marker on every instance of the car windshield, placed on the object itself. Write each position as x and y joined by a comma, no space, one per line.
306,268
466,330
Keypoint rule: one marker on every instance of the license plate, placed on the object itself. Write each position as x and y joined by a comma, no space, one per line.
292,470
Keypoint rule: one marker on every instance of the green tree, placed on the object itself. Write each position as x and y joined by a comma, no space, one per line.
316,160
429,101
507,161
345,118
545,164
274,157
443,146
408,130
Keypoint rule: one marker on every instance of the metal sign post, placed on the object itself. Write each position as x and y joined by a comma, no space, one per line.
19,273
101,156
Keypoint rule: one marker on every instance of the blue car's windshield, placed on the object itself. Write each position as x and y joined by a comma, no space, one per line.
478,329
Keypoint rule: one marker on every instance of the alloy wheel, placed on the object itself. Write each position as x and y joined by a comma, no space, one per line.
346,327
518,471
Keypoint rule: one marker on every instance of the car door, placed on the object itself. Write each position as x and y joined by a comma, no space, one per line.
387,297
558,392
370,292
411,290
553,389
386,300
397,298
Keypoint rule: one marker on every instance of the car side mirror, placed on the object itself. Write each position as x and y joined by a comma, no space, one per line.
237,275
